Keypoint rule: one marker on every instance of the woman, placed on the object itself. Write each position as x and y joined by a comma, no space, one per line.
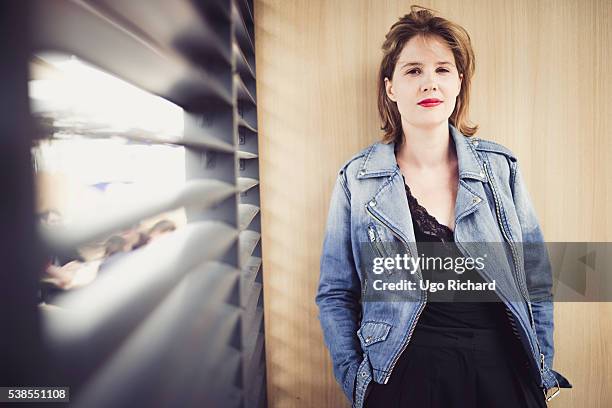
430,188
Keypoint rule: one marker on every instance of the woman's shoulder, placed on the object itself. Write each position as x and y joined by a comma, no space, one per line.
502,160
354,163
489,146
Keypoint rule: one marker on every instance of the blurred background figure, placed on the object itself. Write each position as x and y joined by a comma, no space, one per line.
116,247
160,228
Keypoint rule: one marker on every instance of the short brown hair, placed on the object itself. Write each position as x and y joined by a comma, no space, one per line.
422,21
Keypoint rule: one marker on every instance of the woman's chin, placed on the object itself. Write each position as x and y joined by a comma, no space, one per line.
431,122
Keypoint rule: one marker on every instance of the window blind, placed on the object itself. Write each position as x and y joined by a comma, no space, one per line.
178,322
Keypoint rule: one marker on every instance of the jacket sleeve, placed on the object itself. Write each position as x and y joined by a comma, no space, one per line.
338,295
538,271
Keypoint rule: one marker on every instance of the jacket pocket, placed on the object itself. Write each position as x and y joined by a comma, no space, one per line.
563,382
373,332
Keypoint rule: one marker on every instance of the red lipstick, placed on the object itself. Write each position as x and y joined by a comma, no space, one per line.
430,102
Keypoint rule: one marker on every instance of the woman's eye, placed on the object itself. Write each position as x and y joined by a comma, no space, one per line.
417,71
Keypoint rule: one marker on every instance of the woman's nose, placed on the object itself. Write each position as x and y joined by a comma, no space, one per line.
429,84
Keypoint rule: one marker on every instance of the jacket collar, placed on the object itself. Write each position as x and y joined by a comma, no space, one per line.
380,159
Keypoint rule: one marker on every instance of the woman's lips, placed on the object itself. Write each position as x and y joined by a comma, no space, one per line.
430,104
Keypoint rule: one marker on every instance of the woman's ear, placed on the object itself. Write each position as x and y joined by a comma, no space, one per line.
389,89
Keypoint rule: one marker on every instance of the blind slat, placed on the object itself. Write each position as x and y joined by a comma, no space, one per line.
242,33
246,155
253,328
252,307
243,91
219,381
184,25
257,392
246,214
133,208
248,242
251,271
137,135
246,183
255,358
133,285
78,29
157,343
254,339
251,297
243,65
246,124
247,8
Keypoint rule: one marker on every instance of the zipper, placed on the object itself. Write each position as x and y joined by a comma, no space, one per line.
505,300
374,241
371,234
365,286
421,307
514,258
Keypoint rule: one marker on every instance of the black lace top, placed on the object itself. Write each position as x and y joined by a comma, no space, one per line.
450,308
428,226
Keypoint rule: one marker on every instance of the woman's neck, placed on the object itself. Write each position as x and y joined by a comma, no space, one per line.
426,148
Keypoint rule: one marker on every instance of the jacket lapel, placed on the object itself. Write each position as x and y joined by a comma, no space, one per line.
471,173
390,205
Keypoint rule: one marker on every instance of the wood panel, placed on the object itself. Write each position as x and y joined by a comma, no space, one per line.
542,88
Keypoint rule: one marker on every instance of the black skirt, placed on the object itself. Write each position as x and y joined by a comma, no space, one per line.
448,367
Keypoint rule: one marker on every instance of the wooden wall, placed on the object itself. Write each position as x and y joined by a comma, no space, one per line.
542,87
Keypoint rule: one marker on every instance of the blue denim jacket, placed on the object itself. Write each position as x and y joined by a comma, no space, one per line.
365,339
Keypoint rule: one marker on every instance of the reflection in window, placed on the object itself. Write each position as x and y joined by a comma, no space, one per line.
98,159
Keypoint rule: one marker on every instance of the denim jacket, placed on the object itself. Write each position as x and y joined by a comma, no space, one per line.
365,339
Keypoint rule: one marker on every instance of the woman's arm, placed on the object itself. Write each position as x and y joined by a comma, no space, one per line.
338,295
538,272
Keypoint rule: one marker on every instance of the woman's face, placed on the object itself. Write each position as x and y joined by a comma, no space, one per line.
425,70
